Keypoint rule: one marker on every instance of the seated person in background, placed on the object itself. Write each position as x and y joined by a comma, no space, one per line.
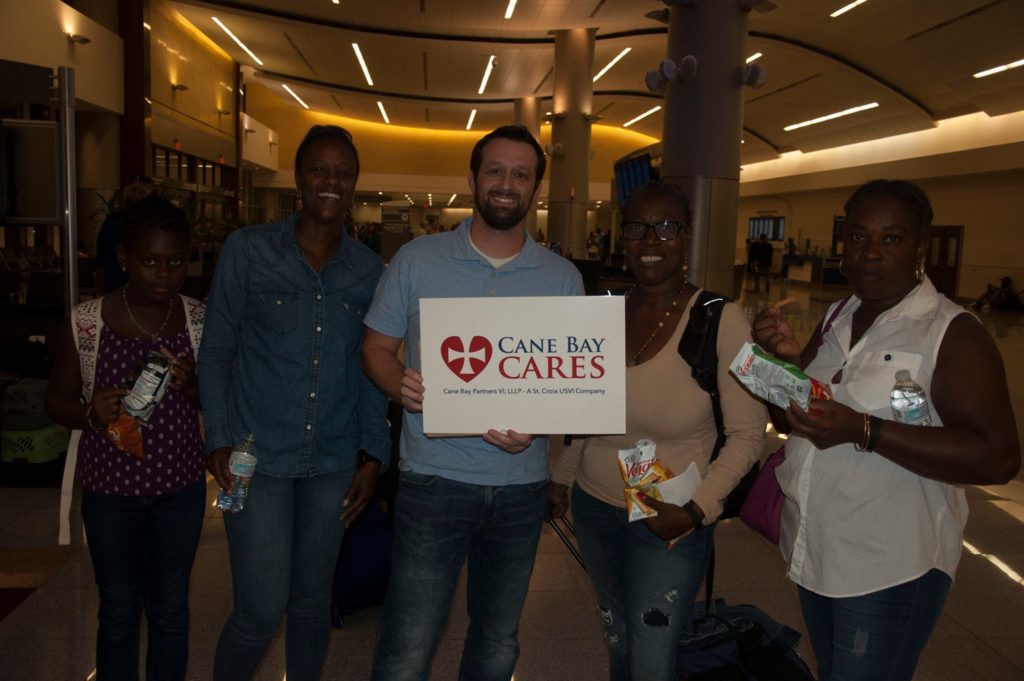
1001,298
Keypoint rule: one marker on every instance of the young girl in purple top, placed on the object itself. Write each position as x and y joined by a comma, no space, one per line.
143,516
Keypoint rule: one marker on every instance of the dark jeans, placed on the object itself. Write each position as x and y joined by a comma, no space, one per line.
878,636
644,591
438,523
284,546
142,550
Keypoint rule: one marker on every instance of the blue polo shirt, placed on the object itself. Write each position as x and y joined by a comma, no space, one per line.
446,265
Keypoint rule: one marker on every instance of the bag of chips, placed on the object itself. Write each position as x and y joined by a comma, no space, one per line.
641,472
774,379
137,407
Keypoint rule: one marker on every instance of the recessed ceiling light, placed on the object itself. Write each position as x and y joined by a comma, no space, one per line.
237,41
612,63
362,63
642,116
472,115
831,116
847,8
383,113
380,193
487,75
754,57
146,26
999,69
511,8
292,93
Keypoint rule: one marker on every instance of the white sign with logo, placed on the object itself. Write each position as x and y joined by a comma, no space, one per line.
533,365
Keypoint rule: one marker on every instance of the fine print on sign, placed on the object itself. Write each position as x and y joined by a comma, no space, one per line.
533,365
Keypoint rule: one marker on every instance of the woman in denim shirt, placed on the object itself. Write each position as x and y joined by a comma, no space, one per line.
280,360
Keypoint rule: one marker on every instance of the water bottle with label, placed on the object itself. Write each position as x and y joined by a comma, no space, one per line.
242,465
909,401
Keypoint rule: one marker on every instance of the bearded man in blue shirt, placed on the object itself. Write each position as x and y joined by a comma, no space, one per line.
480,499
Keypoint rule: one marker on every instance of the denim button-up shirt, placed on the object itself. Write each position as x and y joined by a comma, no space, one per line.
280,356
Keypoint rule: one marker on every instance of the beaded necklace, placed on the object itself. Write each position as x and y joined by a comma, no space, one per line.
661,323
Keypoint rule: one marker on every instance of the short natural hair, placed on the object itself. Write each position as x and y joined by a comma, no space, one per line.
909,194
670,191
152,212
323,132
515,133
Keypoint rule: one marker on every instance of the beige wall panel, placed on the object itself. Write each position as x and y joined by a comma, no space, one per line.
202,117
33,32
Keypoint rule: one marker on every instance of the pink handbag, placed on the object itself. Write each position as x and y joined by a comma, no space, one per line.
762,509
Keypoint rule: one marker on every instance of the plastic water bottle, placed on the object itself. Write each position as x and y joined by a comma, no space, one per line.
242,465
909,401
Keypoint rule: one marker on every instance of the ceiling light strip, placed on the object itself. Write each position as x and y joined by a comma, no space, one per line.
831,116
487,74
472,115
847,8
612,63
754,57
510,9
383,113
362,63
999,69
642,116
237,41
452,199
292,93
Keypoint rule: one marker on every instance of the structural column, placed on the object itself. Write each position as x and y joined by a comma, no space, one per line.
568,191
702,128
527,114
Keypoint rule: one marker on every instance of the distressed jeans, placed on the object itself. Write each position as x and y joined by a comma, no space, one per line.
878,636
439,524
645,592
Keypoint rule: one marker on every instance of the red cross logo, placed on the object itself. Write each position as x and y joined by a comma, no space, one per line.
466,363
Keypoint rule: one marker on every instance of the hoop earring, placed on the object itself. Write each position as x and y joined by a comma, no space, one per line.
686,271
919,272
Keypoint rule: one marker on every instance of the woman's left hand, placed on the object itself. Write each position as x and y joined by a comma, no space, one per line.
360,492
826,423
671,522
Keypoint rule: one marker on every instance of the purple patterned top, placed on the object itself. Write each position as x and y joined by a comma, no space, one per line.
172,441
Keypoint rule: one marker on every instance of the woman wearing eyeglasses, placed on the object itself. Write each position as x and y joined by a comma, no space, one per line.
645,591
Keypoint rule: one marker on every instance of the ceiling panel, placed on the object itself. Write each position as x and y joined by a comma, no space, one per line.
915,58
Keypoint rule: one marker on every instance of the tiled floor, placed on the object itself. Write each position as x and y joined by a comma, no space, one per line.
51,635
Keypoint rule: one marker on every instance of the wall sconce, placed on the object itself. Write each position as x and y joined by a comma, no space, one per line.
77,38
178,87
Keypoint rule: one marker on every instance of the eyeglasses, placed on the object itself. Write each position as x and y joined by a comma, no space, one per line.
666,230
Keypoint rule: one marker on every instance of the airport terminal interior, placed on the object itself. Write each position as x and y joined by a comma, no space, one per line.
771,111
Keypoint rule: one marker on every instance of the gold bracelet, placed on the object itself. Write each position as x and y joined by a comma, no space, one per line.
866,439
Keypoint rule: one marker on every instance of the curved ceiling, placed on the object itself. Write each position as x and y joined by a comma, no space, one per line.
915,59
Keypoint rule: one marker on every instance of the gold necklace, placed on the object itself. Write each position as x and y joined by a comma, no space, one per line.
661,323
128,308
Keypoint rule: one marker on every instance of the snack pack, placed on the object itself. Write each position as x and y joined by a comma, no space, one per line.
146,392
641,472
774,379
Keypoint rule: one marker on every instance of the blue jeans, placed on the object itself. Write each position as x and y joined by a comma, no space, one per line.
438,524
875,637
142,550
645,592
284,546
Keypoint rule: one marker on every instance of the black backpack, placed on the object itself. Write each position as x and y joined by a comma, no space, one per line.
699,348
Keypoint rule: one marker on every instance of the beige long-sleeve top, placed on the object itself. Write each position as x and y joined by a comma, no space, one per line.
665,404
